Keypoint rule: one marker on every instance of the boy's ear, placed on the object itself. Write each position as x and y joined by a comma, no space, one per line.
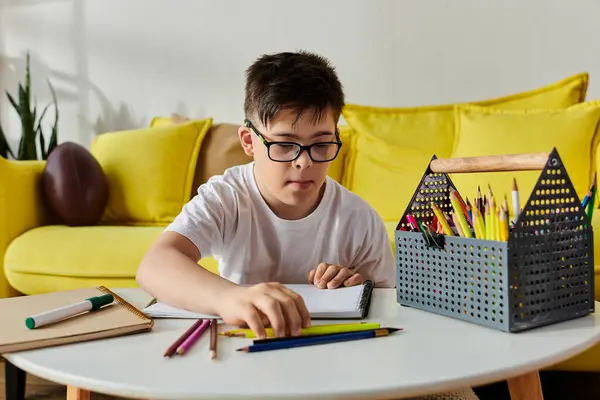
245,135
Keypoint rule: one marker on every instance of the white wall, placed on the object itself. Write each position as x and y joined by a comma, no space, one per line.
118,63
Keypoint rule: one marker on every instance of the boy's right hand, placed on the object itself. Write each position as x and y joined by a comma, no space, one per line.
283,308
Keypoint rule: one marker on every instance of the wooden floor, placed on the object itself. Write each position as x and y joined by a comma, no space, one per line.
556,386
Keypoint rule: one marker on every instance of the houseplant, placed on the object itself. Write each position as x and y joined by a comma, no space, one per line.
31,125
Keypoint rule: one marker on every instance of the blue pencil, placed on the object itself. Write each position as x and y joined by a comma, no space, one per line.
316,340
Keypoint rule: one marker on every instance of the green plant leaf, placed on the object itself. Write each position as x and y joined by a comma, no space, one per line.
27,150
4,147
54,136
14,103
42,143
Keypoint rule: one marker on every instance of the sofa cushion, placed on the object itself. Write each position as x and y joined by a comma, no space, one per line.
393,146
221,149
150,171
486,131
59,257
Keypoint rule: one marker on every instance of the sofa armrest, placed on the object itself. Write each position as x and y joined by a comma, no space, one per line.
22,207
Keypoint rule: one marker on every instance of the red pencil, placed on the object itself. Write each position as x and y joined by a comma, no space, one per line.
172,348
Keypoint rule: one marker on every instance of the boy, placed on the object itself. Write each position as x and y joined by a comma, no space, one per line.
277,220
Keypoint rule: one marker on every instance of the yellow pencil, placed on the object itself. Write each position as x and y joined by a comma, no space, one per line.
504,224
493,219
488,222
313,330
478,221
464,225
440,216
457,225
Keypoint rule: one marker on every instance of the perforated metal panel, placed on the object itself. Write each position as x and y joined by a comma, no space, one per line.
542,275
466,279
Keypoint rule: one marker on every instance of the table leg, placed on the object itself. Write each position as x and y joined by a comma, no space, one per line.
74,393
526,387
15,382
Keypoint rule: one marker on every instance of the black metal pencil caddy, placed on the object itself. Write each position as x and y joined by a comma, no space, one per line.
542,275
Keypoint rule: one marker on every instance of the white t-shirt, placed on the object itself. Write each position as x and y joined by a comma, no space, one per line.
230,220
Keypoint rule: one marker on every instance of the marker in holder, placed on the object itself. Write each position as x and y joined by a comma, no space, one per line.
543,273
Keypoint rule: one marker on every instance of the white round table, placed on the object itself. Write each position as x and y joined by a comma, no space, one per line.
433,354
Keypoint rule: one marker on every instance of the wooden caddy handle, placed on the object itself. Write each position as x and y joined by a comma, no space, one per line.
506,162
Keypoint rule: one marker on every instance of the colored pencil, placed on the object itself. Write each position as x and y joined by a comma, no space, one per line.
317,340
515,200
213,339
313,330
460,216
280,339
441,219
173,347
189,342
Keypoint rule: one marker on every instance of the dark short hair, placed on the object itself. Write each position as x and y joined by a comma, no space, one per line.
300,81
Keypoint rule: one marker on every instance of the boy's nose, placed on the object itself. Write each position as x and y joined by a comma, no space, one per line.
303,161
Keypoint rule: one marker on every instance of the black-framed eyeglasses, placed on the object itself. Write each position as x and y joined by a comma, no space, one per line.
289,151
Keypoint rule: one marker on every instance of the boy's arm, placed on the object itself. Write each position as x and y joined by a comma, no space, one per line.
170,272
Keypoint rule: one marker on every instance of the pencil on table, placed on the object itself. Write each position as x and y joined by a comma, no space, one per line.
194,336
172,348
213,339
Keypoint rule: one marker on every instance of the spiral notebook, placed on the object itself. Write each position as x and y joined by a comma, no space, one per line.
116,319
341,303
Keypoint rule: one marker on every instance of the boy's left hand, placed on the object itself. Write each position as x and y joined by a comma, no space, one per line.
330,276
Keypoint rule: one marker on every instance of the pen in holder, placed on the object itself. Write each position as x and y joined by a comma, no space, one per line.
540,273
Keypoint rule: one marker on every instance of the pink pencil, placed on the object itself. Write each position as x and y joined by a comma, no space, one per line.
185,346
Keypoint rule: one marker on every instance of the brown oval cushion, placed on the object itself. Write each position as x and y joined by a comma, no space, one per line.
74,185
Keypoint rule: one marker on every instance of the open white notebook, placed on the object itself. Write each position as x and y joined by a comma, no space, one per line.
341,303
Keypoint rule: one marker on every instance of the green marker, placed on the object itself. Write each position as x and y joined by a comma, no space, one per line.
49,317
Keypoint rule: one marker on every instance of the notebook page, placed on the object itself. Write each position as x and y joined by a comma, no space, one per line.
318,301
330,301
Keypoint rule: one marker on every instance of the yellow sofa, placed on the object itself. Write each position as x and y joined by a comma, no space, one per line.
385,153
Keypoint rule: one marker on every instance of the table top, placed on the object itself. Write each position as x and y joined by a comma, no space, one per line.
432,354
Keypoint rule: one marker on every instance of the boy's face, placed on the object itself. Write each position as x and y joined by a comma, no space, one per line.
295,183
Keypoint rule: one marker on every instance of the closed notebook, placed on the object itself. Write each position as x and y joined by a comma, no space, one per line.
116,319
342,303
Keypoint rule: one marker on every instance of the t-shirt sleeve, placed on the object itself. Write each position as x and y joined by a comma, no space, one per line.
207,219
375,258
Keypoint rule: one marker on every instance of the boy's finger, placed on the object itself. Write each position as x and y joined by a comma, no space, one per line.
320,271
331,272
341,276
300,306
290,312
254,322
311,276
354,280
271,307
